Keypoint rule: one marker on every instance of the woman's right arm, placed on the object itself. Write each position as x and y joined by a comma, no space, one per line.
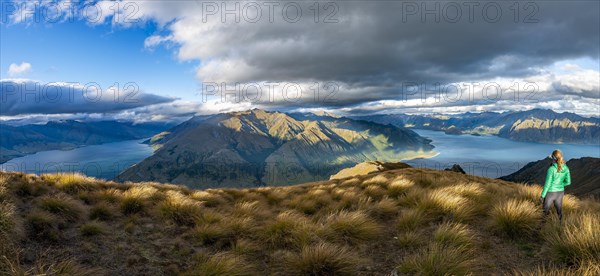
549,176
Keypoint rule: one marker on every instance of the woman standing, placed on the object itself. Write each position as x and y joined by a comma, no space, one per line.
557,177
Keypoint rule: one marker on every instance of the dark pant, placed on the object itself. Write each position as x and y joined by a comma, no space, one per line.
556,199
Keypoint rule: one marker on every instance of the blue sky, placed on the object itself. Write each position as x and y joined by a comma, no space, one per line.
105,54
361,62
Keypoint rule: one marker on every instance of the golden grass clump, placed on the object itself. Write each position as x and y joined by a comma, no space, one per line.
411,219
410,239
62,206
515,217
375,191
587,268
439,202
453,234
43,226
321,259
351,226
47,267
136,197
222,264
384,209
438,260
399,186
71,182
470,190
289,230
578,240
379,179
350,182
208,199
92,228
7,221
102,211
529,192
213,235
180,209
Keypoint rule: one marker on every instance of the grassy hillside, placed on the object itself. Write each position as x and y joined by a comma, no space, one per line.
414,221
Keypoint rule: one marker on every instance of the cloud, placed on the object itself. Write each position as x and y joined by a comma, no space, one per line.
25,97
374,50
18,69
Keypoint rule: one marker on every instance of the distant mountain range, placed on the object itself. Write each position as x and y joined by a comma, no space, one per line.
16,141
585,175
255,148
536,125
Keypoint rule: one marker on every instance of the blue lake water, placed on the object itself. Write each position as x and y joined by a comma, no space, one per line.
492,156
102,161
489,156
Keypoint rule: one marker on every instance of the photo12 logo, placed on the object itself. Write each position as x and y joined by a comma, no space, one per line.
270,92
268,11
91,12
469,11
13,92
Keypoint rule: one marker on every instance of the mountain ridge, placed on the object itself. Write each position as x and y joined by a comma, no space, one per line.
256,147
535,125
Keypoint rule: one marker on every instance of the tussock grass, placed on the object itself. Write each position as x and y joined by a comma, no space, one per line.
135,199
375,191
180,209
469,190
379,179
399,186
102,211
438,260
322,259
529,192
7,220
216,234
385,209
289,230
411,219
350,182
351,226
71,183
431,221
27,188
410,239
587,268
62,206
515,218
43,226
222,264
438,202
47,267
92,228
453,234
578,240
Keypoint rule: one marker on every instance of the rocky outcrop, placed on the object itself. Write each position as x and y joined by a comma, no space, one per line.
456,168
365,168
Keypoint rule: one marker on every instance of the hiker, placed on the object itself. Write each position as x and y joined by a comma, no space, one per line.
557,177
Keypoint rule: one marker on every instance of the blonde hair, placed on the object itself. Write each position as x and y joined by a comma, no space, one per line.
559,159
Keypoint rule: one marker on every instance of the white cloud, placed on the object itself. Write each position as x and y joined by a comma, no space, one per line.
18,69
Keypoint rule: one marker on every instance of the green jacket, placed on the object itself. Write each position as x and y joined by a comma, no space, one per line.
556,181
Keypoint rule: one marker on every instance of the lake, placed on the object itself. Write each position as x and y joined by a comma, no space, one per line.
489,156
102,161
492,156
